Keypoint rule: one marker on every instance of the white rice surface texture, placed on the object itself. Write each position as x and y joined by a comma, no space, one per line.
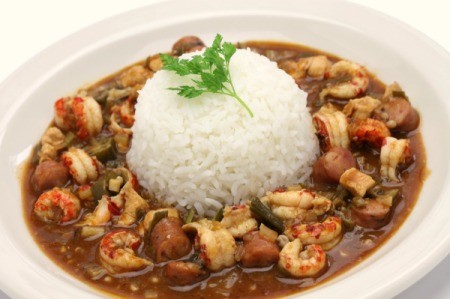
208,152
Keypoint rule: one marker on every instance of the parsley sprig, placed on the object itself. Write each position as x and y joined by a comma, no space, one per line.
211,70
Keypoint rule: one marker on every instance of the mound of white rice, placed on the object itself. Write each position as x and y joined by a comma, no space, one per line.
207,151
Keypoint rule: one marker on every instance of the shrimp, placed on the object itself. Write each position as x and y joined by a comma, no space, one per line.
393,152
301,199
317,233
102,213
123,113
51,141
298,263
82,167
238,220
135,75
128,199
332,125
134,205
314,66
81,113
64,116
287,213
88,114
357,85
61,199
128,189
217,245
53,136
321,205
144,225
126,112
47,153
361,108
292,204
117,252
122,136
116,95
154,63
370,131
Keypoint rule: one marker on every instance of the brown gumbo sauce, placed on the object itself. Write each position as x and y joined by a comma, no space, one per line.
65,244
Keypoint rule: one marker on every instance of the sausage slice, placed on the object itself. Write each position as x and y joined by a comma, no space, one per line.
398,114
372,215
258,252
49,174
187,44
184,273
329,168
169,241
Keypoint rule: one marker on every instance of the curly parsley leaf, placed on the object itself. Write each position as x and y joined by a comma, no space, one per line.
188,91
211,70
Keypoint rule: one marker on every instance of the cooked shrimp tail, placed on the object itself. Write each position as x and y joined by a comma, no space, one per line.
118,252
298,263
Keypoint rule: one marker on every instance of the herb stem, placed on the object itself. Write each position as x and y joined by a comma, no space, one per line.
243,104
238,98
232,93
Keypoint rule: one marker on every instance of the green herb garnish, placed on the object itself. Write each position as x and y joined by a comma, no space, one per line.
212,69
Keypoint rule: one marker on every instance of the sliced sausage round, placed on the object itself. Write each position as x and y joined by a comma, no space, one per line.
169,241
329,168
372,215
398,114
187,44
258,252
184,273
49,174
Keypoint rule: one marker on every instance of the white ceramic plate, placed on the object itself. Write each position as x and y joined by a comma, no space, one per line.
390,49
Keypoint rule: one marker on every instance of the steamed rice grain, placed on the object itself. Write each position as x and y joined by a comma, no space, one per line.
207,152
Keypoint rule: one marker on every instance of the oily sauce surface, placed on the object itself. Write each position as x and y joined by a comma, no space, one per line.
75,255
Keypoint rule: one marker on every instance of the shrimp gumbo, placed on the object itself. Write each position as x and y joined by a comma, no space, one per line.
89,214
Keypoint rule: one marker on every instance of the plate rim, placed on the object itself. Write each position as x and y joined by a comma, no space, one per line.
5,88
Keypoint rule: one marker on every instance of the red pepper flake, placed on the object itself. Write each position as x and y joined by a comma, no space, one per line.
134,181
306,191
67,161
315,230
78,110
203,255
329,226
84,187
305,268
113,208
60,108
280,189
135,245
237,207
197,242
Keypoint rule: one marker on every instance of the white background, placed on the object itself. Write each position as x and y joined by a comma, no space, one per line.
29,26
